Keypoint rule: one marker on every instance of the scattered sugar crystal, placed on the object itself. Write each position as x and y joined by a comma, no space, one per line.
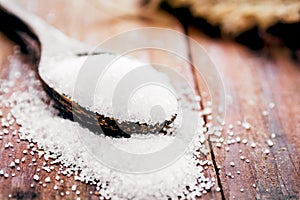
47,180
267,151
8,145
36,177
5,131
232,164
47,169
244,141
246,125
270,143
265,113
12,165
231,133
271,105
74,187
253,144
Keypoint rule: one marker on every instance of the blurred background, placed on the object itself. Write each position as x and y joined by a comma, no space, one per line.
257,24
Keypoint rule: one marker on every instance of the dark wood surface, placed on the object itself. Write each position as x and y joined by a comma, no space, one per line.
252,81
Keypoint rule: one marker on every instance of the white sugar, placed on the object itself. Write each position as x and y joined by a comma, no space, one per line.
47,180
12,165
36,177
64,142
267,151
253,144
246,125
105,94
74,187
270,143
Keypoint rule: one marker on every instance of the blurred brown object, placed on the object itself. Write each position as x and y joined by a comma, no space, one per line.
235,17
254,23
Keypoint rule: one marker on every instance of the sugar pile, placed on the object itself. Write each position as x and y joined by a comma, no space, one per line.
62,140
94,82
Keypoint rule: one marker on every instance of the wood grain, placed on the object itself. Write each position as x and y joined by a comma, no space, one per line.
93,28
253,81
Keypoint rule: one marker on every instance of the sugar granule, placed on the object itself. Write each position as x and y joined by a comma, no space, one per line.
63,76
36,177
57,136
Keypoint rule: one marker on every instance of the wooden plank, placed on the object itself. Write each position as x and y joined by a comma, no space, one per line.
93,28
253,82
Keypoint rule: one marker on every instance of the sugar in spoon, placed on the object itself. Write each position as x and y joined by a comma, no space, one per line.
54,51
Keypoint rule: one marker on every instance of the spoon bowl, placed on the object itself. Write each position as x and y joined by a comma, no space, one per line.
49,45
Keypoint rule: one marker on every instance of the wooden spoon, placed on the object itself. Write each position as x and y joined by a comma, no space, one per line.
45,43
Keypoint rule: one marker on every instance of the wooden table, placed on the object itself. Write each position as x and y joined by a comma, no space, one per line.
254,82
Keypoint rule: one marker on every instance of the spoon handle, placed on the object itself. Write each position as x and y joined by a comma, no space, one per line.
52,41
